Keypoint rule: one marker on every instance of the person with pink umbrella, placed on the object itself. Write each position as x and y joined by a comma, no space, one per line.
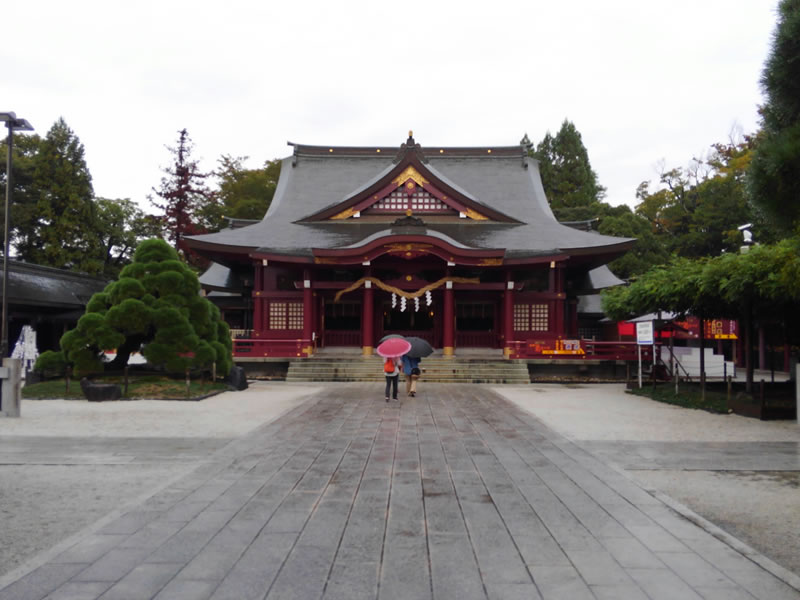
391,350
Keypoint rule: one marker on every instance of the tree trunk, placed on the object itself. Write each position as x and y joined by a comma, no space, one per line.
128,347
748,347
702,357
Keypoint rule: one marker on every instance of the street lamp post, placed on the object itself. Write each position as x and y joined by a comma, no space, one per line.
13,124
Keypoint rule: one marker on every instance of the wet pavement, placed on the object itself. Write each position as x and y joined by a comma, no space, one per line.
456,493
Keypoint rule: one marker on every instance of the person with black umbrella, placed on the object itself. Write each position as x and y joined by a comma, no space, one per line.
411,361
411,371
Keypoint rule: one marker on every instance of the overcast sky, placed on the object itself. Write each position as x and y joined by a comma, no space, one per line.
643,81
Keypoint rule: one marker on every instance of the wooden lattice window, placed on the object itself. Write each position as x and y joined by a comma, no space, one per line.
286,315
540,317
531,317
420,201
522,320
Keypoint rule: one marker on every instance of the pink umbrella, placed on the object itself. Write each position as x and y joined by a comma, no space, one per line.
392,347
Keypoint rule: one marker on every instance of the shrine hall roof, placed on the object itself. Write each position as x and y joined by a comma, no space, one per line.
502,182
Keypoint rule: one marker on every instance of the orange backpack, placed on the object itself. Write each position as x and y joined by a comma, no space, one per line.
388,366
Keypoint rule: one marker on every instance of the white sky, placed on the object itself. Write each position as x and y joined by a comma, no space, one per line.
643,80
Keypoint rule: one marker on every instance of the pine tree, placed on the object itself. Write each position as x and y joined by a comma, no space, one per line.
567,176
154,307
185,198
774,174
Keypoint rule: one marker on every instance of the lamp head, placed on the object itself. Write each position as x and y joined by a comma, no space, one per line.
13,123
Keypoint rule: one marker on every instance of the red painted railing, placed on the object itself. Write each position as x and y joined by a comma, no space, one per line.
580,350
616,350
260,348
476,339
342,338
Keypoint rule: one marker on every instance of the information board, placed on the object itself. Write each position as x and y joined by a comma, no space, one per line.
644,333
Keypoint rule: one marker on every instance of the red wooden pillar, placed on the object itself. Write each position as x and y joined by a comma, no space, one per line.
572,318
508,317
308,314
448,334
560,326
258,301
367,319
258,313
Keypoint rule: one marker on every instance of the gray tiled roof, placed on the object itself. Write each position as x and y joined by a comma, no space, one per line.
35,285
506,183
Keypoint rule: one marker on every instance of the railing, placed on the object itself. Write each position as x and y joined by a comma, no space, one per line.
342,338
476,339
428,336
580,350
260,348
616,350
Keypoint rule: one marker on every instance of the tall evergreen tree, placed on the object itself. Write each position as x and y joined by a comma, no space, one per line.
59,232
184,198
23,207
567,176
775,170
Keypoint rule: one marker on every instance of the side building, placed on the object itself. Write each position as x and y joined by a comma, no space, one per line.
48,299
454,245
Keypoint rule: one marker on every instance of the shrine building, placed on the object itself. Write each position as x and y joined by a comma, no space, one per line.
454,245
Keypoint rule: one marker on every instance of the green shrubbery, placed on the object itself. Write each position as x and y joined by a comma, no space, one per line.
155,308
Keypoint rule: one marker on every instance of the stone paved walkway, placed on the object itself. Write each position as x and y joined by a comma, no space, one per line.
454,494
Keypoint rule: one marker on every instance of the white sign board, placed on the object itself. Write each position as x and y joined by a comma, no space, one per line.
644,333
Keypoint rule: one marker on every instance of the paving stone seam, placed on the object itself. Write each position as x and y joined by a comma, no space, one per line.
559,445
458,501
565,441
352,506
322,426
790,579
219,460
493,405
460,505
233,458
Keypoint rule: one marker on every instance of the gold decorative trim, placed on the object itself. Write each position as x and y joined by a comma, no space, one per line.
474,215
490,262
309,350
448,352
408,295
366,350
408,247
345,214
324,260
409,173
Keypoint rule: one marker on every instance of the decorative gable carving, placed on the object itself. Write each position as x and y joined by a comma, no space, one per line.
412,186
410,192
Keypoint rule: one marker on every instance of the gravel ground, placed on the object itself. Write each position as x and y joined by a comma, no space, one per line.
761,508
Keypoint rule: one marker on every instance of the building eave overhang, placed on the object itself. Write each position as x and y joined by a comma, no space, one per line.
225,254
409,246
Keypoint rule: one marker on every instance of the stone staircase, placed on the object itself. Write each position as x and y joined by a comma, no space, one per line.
469,369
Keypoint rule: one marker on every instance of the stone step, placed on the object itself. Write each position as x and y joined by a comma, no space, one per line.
438,370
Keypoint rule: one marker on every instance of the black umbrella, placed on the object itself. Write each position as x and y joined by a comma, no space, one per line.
419,348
